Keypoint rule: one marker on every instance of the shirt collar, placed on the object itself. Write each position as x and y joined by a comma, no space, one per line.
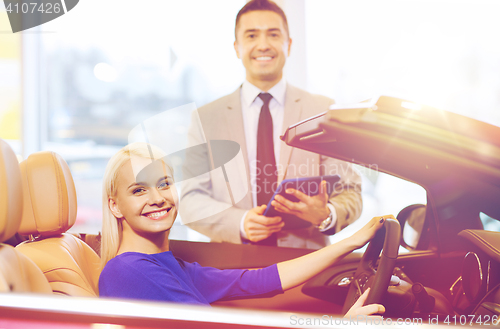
249,92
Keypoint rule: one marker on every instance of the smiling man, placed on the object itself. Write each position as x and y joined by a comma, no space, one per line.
255,116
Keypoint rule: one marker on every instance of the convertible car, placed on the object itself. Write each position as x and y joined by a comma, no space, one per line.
437,264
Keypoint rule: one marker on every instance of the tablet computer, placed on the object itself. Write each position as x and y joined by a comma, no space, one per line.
306,185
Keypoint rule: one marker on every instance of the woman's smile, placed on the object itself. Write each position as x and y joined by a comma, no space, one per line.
158,214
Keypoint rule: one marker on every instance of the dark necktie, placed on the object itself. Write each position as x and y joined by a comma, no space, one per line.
266,163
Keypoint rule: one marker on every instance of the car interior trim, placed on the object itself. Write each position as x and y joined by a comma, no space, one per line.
487,241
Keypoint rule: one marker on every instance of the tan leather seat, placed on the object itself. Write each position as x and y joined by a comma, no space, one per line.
70,265
17,272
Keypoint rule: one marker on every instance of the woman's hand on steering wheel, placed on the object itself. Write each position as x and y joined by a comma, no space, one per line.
386,239
367,232
359,309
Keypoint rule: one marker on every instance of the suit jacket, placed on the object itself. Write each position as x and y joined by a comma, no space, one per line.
208,192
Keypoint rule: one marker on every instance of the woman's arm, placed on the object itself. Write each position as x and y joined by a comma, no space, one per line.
297,271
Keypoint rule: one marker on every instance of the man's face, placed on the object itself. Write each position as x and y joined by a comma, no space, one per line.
263,45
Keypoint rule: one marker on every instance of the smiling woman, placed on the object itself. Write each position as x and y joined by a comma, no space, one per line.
139,208
127,204
143,207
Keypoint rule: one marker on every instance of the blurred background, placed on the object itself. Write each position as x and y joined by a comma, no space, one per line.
79,84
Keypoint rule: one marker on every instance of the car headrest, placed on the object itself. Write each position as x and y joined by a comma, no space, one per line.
11,195
49,195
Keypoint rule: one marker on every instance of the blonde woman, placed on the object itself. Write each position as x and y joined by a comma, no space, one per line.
139,208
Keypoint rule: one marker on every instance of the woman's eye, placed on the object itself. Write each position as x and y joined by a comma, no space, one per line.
138,190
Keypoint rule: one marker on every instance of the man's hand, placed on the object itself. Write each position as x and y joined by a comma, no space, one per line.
258,227
313,209
359,309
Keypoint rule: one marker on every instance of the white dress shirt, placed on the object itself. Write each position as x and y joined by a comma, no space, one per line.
251,105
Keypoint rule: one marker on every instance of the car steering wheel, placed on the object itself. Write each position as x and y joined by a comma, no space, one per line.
366,276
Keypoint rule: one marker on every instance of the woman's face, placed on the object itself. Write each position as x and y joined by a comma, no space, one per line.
146,202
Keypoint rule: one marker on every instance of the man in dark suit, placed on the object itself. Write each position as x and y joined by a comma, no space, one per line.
254,116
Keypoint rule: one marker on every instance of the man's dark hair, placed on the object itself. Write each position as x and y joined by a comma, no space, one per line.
261,5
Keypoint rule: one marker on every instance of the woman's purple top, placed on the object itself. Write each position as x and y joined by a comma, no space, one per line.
163,277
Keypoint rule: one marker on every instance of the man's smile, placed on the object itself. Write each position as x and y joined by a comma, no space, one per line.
263,58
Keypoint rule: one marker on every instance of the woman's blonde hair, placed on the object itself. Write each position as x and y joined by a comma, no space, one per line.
111,226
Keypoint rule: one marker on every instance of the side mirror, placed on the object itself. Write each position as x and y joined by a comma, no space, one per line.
411,219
